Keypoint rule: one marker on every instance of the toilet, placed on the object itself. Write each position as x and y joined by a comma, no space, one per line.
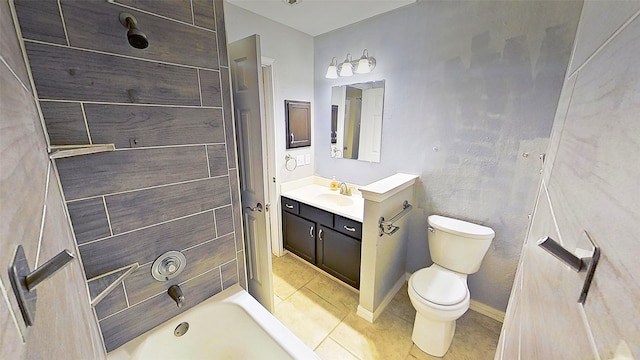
439,293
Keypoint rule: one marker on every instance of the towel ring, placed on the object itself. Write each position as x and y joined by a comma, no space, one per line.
288,158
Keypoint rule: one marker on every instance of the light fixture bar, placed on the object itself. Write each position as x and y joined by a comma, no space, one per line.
363,65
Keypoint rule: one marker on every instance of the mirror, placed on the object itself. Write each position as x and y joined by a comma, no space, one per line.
356,121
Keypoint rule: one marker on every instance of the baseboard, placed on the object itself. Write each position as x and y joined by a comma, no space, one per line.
372,316
487,310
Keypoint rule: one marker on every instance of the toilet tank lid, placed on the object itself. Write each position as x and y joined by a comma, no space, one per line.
460,227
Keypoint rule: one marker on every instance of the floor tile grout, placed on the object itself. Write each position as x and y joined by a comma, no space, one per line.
465,341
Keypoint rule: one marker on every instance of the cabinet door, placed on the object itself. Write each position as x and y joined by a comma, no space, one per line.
299,236
298,121
339,255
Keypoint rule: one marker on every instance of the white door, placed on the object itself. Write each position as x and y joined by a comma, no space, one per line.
371,124
246,74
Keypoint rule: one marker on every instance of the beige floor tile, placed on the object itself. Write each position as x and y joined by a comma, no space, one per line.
388,338
331,350
336,294
309,316
289,275
401,305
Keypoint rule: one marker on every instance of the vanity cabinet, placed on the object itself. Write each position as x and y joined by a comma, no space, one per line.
329,241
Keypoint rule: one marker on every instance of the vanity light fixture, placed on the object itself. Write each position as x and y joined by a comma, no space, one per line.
332,71
366,63
363,65
346,68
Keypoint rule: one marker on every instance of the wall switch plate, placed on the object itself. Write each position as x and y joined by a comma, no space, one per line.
300,160
307,159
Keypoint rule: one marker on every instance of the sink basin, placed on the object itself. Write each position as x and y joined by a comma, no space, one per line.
336,199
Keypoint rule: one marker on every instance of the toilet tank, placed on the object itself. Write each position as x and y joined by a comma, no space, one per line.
458,245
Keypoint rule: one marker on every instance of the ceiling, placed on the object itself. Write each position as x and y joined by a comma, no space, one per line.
316,17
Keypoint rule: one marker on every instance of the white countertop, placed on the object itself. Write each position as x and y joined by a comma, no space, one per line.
319,195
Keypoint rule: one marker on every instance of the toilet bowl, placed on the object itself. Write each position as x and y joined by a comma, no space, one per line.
439,293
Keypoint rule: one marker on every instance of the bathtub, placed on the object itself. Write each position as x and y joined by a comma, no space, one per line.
229,325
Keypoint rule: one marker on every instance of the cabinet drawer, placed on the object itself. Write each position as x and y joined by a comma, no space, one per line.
291,206
316,215
348,226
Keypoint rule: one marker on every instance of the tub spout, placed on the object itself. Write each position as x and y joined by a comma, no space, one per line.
176,294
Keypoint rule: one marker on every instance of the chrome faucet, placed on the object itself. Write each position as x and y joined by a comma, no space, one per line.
176,294
344,189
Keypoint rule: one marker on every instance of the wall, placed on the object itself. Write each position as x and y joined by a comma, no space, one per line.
589,185
34,216
292,51
469,88
172,182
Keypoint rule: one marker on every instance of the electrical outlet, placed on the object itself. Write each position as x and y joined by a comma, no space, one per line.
300,160
307,159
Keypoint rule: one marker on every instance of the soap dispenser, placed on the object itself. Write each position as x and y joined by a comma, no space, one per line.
334,184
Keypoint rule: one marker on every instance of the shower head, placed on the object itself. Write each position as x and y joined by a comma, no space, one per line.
136,38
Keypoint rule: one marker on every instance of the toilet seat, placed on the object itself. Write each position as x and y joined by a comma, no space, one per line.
438,286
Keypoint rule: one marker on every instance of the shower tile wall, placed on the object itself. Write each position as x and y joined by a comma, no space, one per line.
171,184
32,214
590,184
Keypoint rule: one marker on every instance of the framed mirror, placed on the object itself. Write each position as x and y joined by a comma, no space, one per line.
356,121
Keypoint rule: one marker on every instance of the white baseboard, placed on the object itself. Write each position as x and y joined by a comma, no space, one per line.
487,310
372,316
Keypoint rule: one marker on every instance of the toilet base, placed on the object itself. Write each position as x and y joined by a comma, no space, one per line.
433,337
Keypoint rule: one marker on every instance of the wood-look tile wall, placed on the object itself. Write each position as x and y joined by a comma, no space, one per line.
590,183
32,214
171,184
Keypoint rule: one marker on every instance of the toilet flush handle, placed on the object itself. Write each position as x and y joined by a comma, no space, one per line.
431,229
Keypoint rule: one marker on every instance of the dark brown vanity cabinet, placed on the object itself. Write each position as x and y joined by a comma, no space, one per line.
330,242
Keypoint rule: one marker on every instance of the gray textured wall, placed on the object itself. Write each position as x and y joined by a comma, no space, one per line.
32,214
590,185
172,182
470,87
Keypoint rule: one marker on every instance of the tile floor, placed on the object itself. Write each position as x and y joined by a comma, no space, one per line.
322,312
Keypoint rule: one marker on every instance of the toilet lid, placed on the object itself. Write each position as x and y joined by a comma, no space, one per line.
439,287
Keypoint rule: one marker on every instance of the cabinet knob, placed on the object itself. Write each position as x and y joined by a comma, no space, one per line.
320,234
311,233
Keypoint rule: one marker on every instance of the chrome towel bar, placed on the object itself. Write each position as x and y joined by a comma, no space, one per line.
387,227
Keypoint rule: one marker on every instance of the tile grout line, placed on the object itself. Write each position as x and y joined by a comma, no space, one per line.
64,24
44,213
18,78
193,17
200,89
92,102
86,123
215,224
206,152
144,227
119,55
114,2
606,42
106,211
126,297
144,188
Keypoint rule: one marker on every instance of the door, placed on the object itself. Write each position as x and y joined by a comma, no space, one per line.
299,236
371,124
339,255
244,57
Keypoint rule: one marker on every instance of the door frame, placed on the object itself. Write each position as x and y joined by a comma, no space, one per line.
274,218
